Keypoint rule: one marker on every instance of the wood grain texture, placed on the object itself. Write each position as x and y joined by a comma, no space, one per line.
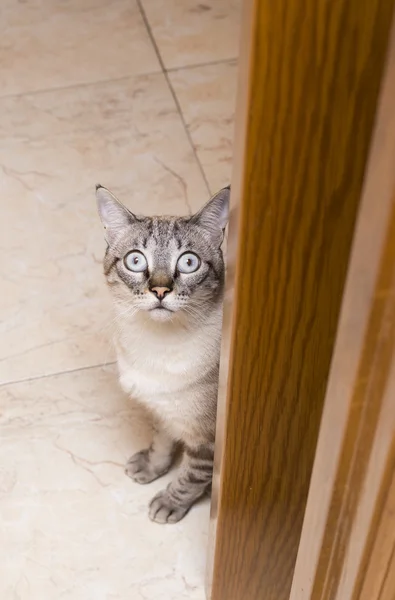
377,573
342,553
314,72
365,407
348,541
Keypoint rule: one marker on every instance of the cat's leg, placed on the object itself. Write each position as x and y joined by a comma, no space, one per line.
149,464
194,479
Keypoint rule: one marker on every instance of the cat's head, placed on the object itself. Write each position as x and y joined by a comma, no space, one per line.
165,267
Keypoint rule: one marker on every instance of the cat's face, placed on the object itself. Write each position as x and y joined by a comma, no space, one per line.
167,267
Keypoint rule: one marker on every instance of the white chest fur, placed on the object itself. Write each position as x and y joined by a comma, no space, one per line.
165,366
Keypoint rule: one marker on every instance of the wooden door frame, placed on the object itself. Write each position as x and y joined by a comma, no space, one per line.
307,103
348,540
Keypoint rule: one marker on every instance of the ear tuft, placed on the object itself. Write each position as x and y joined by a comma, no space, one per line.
114,215
214,215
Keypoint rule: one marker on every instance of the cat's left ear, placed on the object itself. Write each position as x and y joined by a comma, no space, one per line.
215,214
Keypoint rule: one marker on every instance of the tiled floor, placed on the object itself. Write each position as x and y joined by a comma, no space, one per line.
84,99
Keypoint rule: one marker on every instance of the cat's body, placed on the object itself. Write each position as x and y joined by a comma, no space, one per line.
179,384
166,276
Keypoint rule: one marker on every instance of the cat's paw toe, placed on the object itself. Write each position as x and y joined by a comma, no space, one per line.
163,509
139,468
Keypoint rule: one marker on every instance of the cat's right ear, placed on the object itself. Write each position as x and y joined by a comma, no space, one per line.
114,215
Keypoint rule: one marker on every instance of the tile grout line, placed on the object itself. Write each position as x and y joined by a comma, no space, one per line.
57,373
172,91
211,63
78,85
115,79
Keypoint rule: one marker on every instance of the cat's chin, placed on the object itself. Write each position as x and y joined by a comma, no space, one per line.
160,314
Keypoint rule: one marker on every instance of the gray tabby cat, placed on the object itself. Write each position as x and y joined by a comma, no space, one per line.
166,276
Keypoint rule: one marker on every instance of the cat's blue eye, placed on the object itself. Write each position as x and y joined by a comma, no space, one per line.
135,261
188,263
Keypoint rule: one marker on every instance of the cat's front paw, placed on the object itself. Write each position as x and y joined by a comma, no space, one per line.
140,468
163,509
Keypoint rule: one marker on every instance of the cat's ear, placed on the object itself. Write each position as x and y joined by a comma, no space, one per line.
214,215
114,215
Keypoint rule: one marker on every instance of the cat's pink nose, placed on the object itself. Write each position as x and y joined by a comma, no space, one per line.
160,292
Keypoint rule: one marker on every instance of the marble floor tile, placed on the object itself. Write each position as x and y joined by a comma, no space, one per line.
53,43
72,525
190,32
207,95
54,146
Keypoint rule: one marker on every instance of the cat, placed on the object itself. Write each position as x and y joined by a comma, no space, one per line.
166,276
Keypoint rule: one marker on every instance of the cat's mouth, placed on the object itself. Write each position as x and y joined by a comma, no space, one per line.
161,313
